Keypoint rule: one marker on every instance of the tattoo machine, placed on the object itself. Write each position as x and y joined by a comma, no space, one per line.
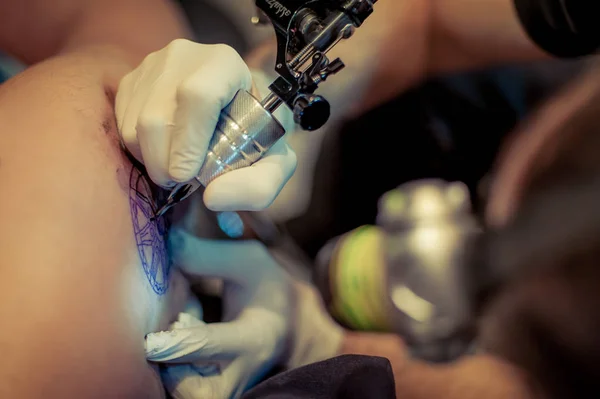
306,30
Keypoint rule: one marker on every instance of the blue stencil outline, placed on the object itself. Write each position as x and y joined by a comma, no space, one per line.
150,236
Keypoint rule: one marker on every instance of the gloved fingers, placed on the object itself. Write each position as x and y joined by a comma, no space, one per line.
316,335
127,111
255,187
234,261
186,320
200,99
215,341
185,382
167,108
152,129
144,114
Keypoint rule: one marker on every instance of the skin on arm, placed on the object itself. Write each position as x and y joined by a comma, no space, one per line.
33,30
84,273
436,37
367,55
473,377
81,285
470,377
467,34
404,42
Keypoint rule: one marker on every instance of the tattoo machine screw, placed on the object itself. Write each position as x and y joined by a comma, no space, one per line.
306,31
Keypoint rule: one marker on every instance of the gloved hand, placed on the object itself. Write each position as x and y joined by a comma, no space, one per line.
269,319
167,111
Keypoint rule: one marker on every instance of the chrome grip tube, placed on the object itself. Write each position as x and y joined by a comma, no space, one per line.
244,133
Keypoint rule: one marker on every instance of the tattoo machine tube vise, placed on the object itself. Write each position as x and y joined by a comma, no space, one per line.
306,30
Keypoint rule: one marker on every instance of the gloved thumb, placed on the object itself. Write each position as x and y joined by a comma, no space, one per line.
253,188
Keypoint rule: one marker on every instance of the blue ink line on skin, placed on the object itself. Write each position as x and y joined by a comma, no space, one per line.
150,235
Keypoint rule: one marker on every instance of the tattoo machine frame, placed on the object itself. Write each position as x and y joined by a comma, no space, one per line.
306,30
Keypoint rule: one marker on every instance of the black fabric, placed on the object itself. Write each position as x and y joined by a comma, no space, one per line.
564,28
343,377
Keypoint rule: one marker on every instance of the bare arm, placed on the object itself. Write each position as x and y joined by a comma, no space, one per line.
406,41
468,378
444,36
469,34
33,30
80,284
371,56
81,263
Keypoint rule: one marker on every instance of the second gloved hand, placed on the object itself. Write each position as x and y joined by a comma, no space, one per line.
258,300
167,110
269,319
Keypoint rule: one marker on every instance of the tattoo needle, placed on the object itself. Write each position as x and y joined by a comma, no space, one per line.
163,209
175,197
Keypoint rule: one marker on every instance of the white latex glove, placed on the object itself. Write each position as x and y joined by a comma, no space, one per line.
315,336
268,319
167,111
258,300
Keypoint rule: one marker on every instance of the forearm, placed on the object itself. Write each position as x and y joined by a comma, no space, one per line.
404,42
370,56
467,34
469,378
421,39
33,30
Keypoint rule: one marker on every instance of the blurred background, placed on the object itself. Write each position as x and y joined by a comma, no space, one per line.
449,128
